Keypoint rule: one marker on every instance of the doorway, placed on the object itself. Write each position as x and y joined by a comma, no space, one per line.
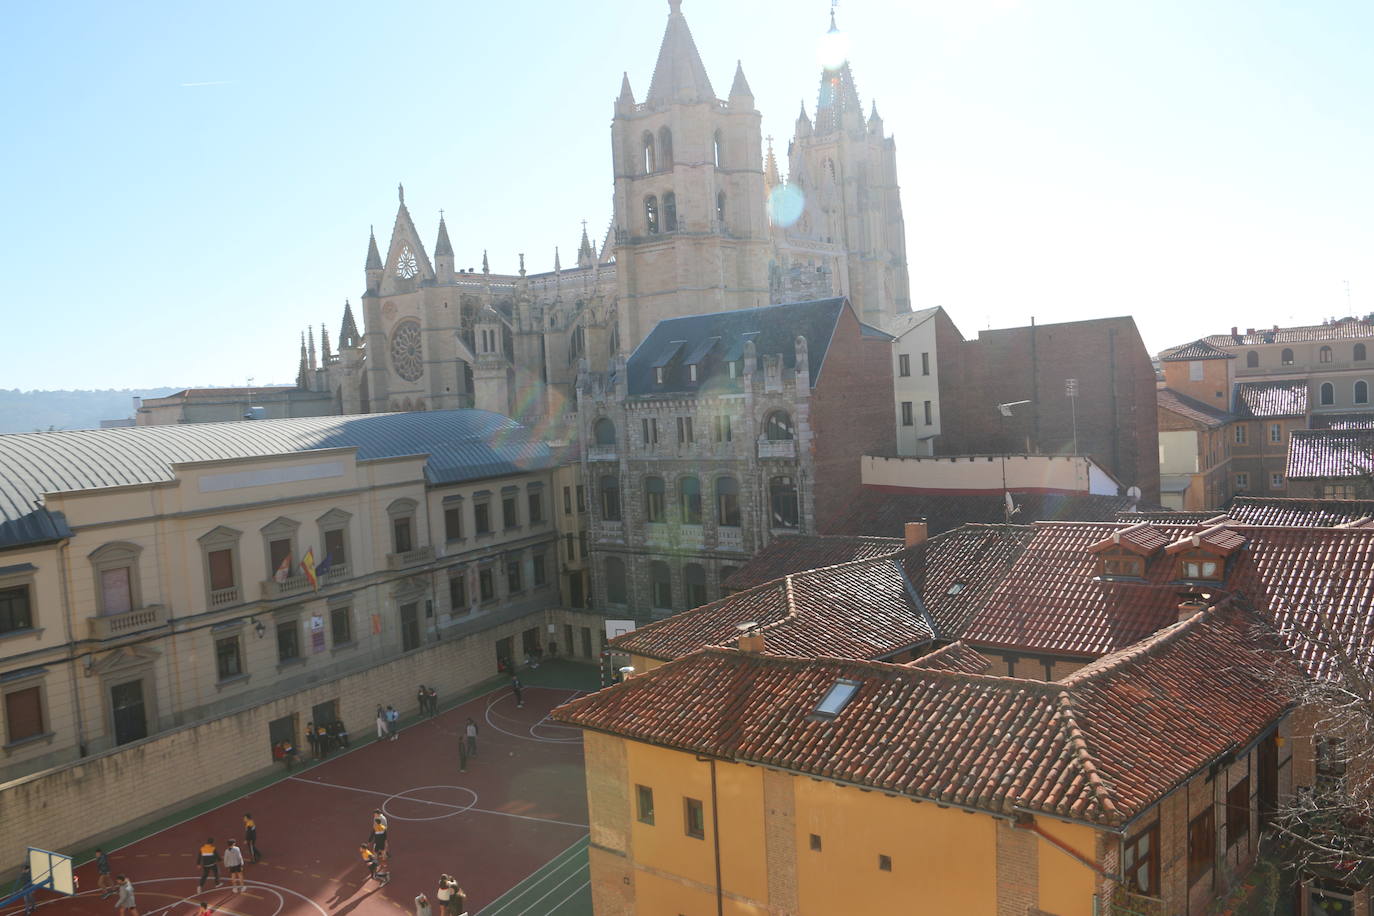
129,711
410,627
505,650
324,713
575,589
529,642
283,729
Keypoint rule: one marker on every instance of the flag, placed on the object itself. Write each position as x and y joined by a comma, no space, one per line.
325,566
284,570
308,567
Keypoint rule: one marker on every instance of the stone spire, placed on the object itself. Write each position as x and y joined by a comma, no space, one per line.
679,75
626,102
838,96
348,333
311,350
741,96
803,122
442,247
374,258
302,375
585,256
522,263
875,123
557,264
770,169
325,355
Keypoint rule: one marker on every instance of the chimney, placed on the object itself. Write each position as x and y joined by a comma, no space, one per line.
1234,329
1190,605
751,638
916,533
1249,330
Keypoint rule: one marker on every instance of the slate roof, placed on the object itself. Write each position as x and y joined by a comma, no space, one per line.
1330,453
774,329
1307,513
863,609
1345,329
1343,421
1195,410
1197,350
1262,400
799,552
884,513
461,445
1101,746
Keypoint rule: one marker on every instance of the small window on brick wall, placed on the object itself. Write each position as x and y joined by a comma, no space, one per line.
815,842
884,862
693,818
1202,845
644,804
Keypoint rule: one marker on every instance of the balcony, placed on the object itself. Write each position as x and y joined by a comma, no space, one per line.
691,535
112,626
409,558
223,597
777,448
291,585
730,538
601,453
337,573
611,530
656,532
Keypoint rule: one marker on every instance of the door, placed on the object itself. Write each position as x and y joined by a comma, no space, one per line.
505,651
587,642
130,715
324,713
529,641
575,589
1268,766
410,627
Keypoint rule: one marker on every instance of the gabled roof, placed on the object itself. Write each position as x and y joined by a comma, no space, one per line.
884,513
800,552
1331,453
1262,400
679,73
1197,350
954,657
1191,409
1141,538
461,445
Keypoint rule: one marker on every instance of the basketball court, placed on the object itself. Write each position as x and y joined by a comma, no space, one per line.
512,829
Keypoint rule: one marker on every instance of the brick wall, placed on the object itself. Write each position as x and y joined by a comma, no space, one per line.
1018,870
780,838
608,807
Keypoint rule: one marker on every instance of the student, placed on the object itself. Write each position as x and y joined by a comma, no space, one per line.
379,836
311,737
518,689
471,731
444,894
422,700
208,857
340,733
433,701
422,907
369,859
125,903
393,722
102,868
233,860
381,723
458,903
250,837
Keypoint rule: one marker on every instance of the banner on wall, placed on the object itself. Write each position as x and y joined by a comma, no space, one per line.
316,633
376,624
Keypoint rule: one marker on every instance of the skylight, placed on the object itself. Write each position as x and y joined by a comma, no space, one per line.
954,589
836,697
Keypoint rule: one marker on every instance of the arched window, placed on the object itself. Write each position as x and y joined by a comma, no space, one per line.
577,345
778,426
670,212
782,502
610,498
1324,355
1252,359
615,580
650,162
653,499
603,431
718,149
1286,357
1360,353
661,585
1328,394
720,209
689,500
1361,392
727,502
665,147
694,582
651,214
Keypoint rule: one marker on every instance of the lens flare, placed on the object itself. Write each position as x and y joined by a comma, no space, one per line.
785,204
833,49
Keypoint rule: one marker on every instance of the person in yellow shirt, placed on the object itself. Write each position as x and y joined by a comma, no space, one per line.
208,857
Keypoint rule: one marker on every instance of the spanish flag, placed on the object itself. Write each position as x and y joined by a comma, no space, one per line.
308,567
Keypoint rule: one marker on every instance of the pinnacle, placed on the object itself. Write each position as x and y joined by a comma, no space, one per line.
374,259
679,73
740,89
442,247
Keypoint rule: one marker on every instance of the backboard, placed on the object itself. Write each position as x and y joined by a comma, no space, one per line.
51,870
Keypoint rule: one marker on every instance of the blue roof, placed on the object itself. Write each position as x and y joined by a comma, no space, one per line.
461,445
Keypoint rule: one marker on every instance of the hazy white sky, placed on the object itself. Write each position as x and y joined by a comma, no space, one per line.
186,187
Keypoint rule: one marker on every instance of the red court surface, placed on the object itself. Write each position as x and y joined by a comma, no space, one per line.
520,804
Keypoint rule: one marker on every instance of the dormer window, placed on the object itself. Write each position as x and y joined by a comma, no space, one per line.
955,589
1200,566
692,373
658,375
1122,565
734,369
836,698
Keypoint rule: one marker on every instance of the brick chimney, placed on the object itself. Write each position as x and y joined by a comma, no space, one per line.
751,638
916,533
1190,605
1234,329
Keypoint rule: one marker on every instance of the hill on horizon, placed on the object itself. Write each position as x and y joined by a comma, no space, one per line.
36,411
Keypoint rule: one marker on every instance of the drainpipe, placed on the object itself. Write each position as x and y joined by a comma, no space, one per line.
1033,827
71,648
715,837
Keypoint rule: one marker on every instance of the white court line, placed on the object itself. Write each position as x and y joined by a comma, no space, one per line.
574,875
531,736
461,808
576,891
501,903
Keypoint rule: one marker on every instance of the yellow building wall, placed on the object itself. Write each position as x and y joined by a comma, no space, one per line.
1066,884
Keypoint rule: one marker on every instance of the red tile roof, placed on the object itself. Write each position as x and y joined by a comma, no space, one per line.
1184,406
1101,746
796,553
1198,349
885,513
954,657
1142,538
1345,329
1216,538
1261,400
1330,453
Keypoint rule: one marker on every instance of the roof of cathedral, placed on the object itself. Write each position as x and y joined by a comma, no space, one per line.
443,247
460,445
837,96
374,259
679,73
740,87
718,338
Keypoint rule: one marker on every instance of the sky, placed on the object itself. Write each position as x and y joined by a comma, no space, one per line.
187,186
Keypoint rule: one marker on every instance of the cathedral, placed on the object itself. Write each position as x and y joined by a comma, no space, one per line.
704,221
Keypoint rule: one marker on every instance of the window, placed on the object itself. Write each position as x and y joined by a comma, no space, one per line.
1242,480
644,803
1252,360
1324,355
929,413
228,657
15,611
1361,392
582,542
567,500
486,584
782,502
692,373
1328,394
341,625
610,499
537,571
1242,434
649,427
658,380
1275,432
457,594
684,430
116,571
650,162
1276,481
777,426
410,626
720,209
1140,861
288,641
903,370
453,522
24,714
836,698
1238,812
665,147
884,862
670,212
653,499
571,544
693,818
815,842
908,416
1338,491
723,432
925,364
481,517
651,214
727,502
1202,844
221,569
535,500
1332,759
1200,567
661,585
694,581
1195,370
615,580
336,547
581,498
1359,355
513,580
400,535
603,431
689,500
220,549
718,149
510,515
1286,357
1123,564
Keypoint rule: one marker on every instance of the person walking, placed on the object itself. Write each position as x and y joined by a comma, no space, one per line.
369,859
102,868
422,907
208,857
125,904
518,689
381,723
233,860
470,730
250,838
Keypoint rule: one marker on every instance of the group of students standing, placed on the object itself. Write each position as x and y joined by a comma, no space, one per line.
208,857
451,898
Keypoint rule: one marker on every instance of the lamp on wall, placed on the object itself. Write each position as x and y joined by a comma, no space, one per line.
258,627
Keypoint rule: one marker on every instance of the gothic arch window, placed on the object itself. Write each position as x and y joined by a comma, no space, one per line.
718,149
651,214
661,585
830,171
777,426
1252,359
1360,353
1286,357
615,580
665,147
615,334
653,499
1328,394
1324,355
1361,392
689,500
577,345
650,161
720,209
603,431
727,502
670,212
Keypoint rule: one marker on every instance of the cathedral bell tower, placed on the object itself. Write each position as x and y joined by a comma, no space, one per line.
691,227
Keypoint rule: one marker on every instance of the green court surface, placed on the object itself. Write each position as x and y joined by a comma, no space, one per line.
561,888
